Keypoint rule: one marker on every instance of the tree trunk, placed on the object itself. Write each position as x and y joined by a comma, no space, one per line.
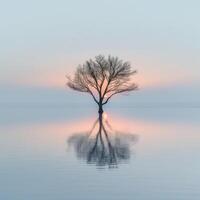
100,108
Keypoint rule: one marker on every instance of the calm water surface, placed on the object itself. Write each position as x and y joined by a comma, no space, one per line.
144,153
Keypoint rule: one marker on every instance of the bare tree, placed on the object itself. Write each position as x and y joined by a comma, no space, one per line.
103,78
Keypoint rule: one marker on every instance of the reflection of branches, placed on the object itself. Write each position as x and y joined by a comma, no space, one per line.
101,145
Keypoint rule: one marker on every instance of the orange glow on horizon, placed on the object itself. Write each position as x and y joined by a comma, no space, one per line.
151,74
105,115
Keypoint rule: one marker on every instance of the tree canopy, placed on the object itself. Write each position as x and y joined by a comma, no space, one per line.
103,77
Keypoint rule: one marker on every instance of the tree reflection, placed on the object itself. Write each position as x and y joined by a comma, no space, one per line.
102,145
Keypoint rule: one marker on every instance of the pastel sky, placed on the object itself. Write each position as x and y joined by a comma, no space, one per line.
43,40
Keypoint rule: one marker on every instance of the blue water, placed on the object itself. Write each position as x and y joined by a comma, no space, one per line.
44,153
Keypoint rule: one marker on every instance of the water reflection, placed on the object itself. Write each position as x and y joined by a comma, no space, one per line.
102,145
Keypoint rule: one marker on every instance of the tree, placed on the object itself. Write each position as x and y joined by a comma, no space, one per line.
103,78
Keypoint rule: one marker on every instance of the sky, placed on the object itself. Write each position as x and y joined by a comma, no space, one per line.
42,41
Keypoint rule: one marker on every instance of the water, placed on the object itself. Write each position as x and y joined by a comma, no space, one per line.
44,154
